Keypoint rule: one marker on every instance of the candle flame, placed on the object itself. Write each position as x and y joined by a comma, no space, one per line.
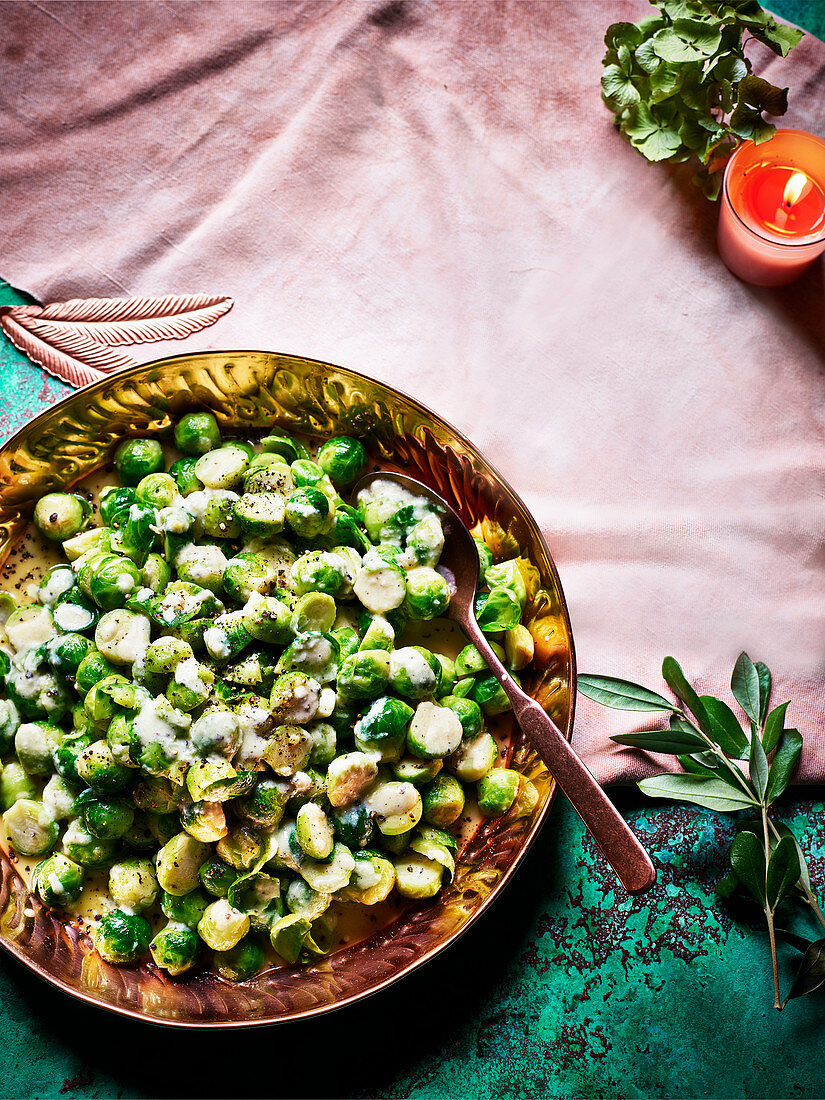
797,184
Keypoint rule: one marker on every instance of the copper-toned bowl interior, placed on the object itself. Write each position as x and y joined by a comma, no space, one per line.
248,391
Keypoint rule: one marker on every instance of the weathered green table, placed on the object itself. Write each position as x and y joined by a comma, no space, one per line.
565,988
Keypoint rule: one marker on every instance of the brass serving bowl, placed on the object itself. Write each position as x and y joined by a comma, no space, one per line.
247,391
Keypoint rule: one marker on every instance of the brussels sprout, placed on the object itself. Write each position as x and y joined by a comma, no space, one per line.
190,685
490,695
434,732
348,641
497,610
473,758
314,612
314,654
132,884
66,652
381,584
509,576
348,776
15,783
332,875
217,781
223,467
34,744
122,636
259,896
74,612
135,458
28,627
156,490
468,712
139,835
217,876
58,798
302,899
115,580
447,681
178,864
443,801
58,881
305,472
36,694
175,949
256,670
106,818
314,831
372,880
244,574
97,766
60,516
294,698
218,517
56,580
485,558
196,433
428,594
228,637
9,722
343,460
288,936
288,749
241,848
261,513
268,619
416,876
156,795
216,731
164,655
279,443
526,799
497,791
122,938
202,565
30,827
364,675
164,827
183,471
95,538
187,909
324,744
519,647
240,962
319,571
436,845
469,662
412,769
378,634
397,807
354,825
415,672
425,541
222,926
264,805
155,573
382,729
205,821
268,473
65,758
84,848
307,513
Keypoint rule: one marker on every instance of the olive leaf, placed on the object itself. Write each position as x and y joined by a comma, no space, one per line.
783,764
774,727
747,858
783,871
621,694
724,727
673,741
811,973
677,682
765,680
745,686
758,766
713,794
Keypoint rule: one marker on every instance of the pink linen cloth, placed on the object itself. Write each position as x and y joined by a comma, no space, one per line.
434,194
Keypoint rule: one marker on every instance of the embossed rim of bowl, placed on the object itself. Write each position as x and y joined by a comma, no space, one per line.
173,368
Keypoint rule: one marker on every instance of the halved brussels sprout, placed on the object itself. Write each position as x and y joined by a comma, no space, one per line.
397,807
415,672
178,864
434,732
221,927
58,881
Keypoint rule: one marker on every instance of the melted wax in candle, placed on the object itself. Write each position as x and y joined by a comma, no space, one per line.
769,194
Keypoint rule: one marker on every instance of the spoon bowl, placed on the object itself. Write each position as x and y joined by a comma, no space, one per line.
459,565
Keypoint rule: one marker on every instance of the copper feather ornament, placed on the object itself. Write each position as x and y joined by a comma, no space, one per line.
76,340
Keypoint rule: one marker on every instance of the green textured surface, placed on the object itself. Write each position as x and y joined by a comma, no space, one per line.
566,987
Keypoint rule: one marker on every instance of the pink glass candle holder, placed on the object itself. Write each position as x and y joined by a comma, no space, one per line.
772,216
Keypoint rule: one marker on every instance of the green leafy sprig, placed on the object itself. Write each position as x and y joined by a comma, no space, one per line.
731,769
680,85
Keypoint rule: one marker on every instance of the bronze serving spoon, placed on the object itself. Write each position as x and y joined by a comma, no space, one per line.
460,567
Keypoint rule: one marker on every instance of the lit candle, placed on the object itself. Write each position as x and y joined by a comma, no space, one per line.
772,216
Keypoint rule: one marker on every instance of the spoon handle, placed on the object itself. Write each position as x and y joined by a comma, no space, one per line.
608,828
